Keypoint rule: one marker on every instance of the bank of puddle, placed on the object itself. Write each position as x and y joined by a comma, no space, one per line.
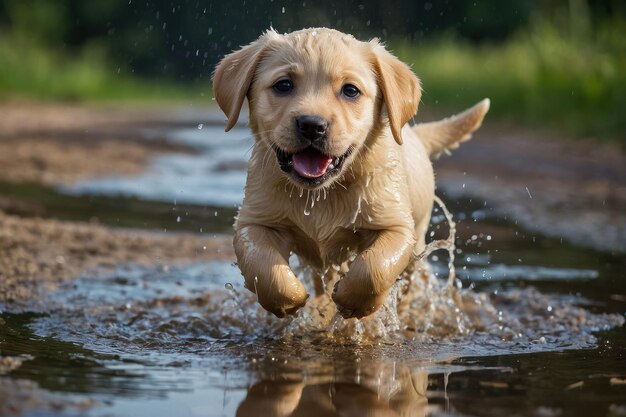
531,326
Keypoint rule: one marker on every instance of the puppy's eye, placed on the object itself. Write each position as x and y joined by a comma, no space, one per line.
283,86
350,91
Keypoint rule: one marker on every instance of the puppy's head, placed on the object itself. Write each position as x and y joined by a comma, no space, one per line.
316,97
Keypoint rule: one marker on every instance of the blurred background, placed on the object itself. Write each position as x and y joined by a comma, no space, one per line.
559,63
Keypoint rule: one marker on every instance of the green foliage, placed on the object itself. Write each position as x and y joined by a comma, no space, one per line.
540,76
47,21
184,39
29,69
556,62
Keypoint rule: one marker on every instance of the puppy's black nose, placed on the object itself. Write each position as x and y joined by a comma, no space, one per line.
312,128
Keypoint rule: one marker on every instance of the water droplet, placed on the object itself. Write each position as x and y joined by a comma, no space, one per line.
307,210
357,212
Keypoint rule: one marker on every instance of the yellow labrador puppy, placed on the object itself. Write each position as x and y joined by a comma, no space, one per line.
336,176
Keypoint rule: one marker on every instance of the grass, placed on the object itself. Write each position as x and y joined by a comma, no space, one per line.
540,77
32,71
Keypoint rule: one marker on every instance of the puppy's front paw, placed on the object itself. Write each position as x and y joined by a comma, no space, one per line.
282,304
352,301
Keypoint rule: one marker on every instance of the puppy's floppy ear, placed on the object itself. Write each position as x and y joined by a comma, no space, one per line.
233,76
400,88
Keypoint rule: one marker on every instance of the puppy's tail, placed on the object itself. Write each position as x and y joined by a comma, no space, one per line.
447,134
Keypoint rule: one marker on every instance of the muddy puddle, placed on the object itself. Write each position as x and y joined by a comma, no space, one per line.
532,326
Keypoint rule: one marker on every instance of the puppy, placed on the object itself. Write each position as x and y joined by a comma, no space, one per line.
336,175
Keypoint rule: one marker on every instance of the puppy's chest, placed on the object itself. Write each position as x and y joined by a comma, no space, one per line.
322,248
331,235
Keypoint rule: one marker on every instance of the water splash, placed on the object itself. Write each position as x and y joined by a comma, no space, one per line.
447,244
186,308
357,211
194,308
307,210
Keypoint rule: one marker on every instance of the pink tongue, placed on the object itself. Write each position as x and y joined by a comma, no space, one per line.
311,163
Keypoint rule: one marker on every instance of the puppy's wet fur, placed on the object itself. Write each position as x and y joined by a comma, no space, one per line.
336,176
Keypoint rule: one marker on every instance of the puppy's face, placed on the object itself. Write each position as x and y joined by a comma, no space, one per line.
315,98
314,101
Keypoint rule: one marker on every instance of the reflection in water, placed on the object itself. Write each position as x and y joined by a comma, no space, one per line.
383,390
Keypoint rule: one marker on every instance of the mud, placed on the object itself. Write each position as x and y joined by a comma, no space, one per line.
54,160
56,144
38,254
24,118
562,187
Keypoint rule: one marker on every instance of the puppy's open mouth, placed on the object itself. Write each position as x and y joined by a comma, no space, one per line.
310,166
